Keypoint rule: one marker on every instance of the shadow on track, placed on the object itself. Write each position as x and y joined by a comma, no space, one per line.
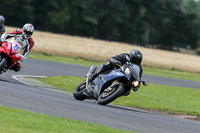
128,109
4,80
10,81
119,107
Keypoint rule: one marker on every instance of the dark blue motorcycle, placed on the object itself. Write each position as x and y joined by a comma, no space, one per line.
110,85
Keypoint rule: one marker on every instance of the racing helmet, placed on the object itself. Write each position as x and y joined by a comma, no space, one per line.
27,31
2,20
136,56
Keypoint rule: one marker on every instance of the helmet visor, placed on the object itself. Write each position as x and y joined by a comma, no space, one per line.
28,33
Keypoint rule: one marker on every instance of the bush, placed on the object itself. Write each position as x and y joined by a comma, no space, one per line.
197,51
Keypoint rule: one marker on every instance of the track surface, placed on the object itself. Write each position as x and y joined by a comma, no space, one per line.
17,95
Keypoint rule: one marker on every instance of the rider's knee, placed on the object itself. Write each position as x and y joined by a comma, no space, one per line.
16,68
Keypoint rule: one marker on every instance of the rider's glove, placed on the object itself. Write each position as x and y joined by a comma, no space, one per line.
117,63
3,39
22,58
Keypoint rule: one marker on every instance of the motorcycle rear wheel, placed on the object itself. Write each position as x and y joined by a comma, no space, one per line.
78,91
107,98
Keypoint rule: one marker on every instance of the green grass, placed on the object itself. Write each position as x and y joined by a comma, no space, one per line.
160,97
147,70
63,82
19,121
172,74
63,59
166,98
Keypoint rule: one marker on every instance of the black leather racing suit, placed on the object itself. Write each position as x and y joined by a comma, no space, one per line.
2,30
120,59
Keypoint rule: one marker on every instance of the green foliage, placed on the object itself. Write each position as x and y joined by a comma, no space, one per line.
198,51
58,16
163,23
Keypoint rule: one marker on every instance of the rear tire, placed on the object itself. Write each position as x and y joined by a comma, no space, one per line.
78,92
103,99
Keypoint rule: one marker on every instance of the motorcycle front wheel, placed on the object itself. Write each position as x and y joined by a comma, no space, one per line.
3,63
78,92
109,96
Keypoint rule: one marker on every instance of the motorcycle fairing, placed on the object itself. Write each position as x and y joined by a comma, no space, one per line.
11,49
15,48
15,52
110,76
3,48
104,79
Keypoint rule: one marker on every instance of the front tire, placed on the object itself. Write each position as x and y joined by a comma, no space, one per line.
107,98
78,92
3,63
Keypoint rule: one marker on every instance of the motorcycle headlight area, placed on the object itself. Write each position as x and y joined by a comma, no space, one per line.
135,83
127,72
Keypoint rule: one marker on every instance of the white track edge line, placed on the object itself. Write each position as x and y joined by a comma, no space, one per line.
15,77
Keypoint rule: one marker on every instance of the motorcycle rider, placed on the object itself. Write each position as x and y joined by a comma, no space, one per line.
135,57
2,26
23,37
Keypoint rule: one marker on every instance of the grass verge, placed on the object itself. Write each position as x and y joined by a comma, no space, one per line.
63,59
147,70
173,99
19,121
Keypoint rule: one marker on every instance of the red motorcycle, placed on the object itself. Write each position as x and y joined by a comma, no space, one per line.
9,55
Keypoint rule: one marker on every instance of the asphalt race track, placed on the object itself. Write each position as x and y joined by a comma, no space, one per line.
18,95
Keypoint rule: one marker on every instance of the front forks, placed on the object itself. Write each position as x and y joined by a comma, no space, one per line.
111,88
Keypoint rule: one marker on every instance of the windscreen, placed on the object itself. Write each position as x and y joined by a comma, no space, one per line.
135,70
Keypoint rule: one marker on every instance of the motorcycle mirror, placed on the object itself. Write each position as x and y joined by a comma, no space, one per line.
145,83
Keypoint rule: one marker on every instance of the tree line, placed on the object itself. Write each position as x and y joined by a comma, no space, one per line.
161,23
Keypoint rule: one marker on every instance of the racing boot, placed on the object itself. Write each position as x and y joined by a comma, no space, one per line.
103,68
93,76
